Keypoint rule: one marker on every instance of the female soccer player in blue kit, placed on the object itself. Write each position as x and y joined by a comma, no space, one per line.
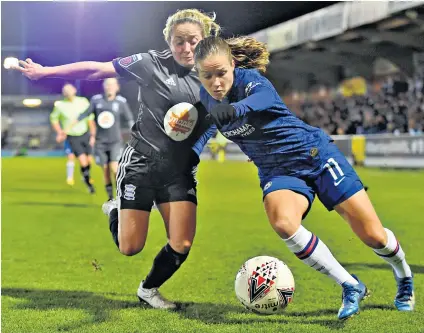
295,161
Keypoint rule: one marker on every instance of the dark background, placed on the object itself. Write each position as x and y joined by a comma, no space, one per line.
54,33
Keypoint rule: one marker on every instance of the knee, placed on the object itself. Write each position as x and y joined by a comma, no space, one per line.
130,247
83,160
286,225
129,250
183,246
132,231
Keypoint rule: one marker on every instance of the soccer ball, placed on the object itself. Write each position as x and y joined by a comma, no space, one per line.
264,285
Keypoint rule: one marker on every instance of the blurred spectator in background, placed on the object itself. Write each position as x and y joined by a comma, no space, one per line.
6,122
397,108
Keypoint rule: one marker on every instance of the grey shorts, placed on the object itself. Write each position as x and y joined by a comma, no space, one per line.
106,153
80,144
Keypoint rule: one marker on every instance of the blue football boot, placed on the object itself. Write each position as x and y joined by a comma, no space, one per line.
405,298
352,295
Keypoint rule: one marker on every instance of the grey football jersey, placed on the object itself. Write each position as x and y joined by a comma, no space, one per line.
171,117
107,115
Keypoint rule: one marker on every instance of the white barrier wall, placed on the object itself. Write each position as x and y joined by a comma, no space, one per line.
379,150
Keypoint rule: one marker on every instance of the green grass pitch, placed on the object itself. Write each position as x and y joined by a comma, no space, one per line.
51,234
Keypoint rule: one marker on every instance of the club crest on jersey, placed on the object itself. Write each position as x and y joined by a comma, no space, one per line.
313,152
127,61
115,107
180,120
261,280
106,119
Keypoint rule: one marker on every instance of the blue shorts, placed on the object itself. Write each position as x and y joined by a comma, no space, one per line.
337,181
67,147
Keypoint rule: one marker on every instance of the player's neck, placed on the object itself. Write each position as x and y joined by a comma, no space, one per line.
70,99
110,97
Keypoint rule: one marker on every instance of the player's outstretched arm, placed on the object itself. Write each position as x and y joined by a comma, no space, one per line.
84,70
261,97
203,140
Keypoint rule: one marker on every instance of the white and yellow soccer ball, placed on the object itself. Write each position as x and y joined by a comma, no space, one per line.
264,285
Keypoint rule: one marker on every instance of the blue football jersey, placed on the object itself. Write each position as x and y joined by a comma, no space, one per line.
276,140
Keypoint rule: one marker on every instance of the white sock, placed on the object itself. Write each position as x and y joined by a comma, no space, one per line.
70,169
314,253
394,255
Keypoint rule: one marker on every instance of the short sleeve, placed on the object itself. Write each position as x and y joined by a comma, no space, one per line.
139,67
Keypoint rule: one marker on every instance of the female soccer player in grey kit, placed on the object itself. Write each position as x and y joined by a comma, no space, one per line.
295,161
108,109
159,163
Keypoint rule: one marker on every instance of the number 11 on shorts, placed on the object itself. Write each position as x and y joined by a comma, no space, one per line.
333,166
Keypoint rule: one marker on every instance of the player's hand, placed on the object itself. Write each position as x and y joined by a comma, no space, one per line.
222,114
92,140
60,137
30,69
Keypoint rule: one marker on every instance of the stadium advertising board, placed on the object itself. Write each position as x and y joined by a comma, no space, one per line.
395,146
395,151
391,151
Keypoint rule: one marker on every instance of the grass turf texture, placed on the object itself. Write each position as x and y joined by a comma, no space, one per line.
52,233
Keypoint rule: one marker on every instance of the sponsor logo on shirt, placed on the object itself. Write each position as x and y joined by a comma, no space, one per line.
106,119
242,131
180,121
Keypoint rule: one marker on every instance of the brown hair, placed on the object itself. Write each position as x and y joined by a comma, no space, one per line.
247,52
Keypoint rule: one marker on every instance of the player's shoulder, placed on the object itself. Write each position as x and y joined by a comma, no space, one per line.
97,97
248,79
248,74
82,99
160,55
58,104
150,54
162,59
121,99
151,59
